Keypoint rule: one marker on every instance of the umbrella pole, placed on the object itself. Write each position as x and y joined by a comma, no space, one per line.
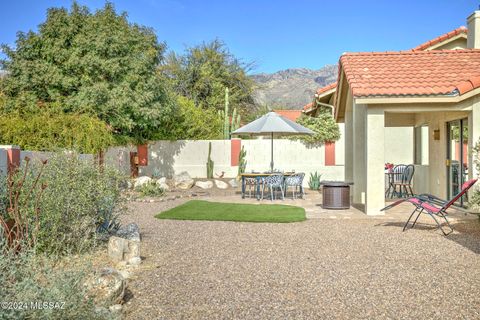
271,162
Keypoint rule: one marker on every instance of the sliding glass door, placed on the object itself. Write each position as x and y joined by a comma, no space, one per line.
457,157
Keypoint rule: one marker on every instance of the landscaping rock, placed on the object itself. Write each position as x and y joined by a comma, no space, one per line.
116,308
135,261
204,184
221,185
162,184
233,183
129,232
162,180
183,181
107,286
140,181
120,249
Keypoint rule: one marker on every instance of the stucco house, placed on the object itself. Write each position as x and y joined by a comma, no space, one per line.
433,89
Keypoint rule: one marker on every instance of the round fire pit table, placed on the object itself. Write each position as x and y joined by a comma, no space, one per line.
336,194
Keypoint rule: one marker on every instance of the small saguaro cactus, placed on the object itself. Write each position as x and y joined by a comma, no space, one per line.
209,162
242,162
229,124
226,120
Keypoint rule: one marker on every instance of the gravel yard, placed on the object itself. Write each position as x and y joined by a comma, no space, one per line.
316,269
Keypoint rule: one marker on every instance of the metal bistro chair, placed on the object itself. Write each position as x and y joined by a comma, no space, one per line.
396,178
295,181
251,183
274,181
404,181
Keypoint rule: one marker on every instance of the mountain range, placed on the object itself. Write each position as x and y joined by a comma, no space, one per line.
292,88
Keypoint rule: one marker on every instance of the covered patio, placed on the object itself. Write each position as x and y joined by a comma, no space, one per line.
436,93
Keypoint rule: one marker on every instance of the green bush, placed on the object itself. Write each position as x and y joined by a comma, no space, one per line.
150,189
47,131
324,127
80,200
35,278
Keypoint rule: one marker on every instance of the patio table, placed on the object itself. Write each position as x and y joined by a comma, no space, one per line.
389,175
259,176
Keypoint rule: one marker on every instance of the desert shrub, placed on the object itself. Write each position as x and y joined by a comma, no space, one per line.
314,181
29,278
150,189
79,201
49,131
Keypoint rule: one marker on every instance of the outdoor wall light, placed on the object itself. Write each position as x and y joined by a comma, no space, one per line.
436,134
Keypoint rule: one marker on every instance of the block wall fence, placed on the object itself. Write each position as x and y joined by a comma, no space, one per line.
167,158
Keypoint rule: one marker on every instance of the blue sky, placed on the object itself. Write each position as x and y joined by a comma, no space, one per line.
275,34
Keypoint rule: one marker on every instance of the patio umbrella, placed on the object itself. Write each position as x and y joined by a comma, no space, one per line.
272,124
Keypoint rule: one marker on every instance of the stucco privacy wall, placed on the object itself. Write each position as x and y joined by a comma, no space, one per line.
169,157
3,162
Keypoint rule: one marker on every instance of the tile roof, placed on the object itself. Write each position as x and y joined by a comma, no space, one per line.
290,114
307,106
405,73
326,88
443,37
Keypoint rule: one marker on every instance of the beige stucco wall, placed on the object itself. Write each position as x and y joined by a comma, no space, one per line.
459,43
437,177
171,157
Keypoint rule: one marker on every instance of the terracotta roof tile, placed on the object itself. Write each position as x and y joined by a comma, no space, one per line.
290,114
436,72
326,88
307,106
441,38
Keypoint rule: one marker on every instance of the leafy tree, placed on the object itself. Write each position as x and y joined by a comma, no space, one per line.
97,64
197,124
47,131
203,73
324,126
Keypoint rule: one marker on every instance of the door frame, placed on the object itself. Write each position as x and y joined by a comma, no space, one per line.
449,146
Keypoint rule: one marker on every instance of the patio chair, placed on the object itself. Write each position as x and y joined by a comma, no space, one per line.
295,181
272,182
402,179
251,183
396,177
433,206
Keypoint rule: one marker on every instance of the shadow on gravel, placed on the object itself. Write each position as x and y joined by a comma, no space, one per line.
466,234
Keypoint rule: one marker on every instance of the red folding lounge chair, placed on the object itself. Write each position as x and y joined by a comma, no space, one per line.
433,206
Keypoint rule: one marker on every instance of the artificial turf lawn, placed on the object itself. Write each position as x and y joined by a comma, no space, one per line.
216,211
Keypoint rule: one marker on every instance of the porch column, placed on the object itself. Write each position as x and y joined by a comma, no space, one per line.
359,153
473,136
375,161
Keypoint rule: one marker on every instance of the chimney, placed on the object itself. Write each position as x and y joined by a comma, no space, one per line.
473,34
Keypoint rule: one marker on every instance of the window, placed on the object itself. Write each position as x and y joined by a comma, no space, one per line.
421,145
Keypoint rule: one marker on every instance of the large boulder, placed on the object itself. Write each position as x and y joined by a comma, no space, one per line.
130,232
204,184
183,180
120,249
140,181
221,185
106,286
